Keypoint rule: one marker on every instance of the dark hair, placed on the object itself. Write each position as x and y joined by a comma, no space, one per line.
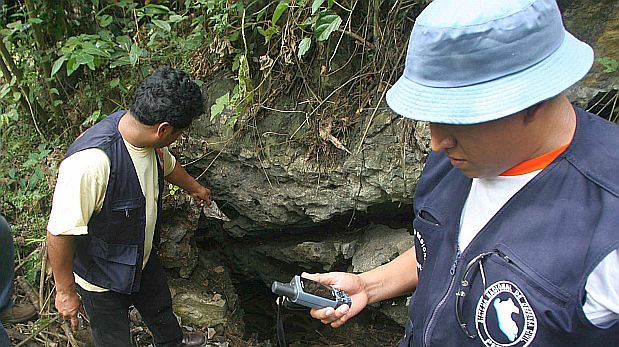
168,95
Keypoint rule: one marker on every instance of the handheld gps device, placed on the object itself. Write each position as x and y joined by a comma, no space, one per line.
312,294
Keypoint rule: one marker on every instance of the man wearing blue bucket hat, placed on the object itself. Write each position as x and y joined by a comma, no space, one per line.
515,227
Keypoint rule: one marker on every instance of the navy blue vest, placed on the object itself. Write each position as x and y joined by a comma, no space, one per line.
110,255
538,251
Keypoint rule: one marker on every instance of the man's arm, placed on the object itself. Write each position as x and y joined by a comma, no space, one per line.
60,253
80,190
181,178
398,277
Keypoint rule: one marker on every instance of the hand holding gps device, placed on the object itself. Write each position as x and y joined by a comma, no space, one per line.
312,294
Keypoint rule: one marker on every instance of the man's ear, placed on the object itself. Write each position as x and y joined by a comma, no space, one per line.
163,127
531,113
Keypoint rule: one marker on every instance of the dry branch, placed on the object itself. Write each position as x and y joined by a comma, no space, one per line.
30,293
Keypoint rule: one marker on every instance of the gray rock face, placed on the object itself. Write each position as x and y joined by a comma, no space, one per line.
201,310
265,180
180,220
379,245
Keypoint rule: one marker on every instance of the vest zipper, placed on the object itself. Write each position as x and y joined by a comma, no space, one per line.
452,272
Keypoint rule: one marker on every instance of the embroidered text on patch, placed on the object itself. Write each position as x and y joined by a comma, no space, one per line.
504,316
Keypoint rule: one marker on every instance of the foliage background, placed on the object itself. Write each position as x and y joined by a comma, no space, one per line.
66,64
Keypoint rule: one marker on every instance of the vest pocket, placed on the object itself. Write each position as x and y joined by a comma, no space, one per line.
508,259
505,300
429,231
114,265
429,216
127,220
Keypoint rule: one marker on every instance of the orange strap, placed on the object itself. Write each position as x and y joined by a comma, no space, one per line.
160,155
535,164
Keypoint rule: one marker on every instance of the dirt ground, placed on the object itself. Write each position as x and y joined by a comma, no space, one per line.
300,330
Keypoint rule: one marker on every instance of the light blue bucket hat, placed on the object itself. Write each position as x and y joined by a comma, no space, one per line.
473,61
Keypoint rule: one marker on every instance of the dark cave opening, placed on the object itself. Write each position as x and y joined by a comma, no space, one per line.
257,302
369,328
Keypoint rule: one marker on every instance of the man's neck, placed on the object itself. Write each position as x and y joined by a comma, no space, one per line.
132,131
556,124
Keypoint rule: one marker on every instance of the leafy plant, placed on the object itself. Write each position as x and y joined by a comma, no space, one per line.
93,118
304,46
172,189
24,178
84,50
610,65
280,21
10,107
326,23
219,105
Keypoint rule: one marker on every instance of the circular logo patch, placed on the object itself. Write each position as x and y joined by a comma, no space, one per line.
504,317
420,246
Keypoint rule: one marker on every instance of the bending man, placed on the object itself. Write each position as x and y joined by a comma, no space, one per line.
104,226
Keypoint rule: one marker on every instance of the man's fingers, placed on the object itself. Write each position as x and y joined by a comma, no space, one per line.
338,323
208,198
201,199
334,322
75,323
323,313
335,318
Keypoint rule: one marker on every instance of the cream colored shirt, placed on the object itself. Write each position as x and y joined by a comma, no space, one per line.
80,191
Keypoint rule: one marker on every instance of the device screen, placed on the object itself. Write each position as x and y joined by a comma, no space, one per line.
318,289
